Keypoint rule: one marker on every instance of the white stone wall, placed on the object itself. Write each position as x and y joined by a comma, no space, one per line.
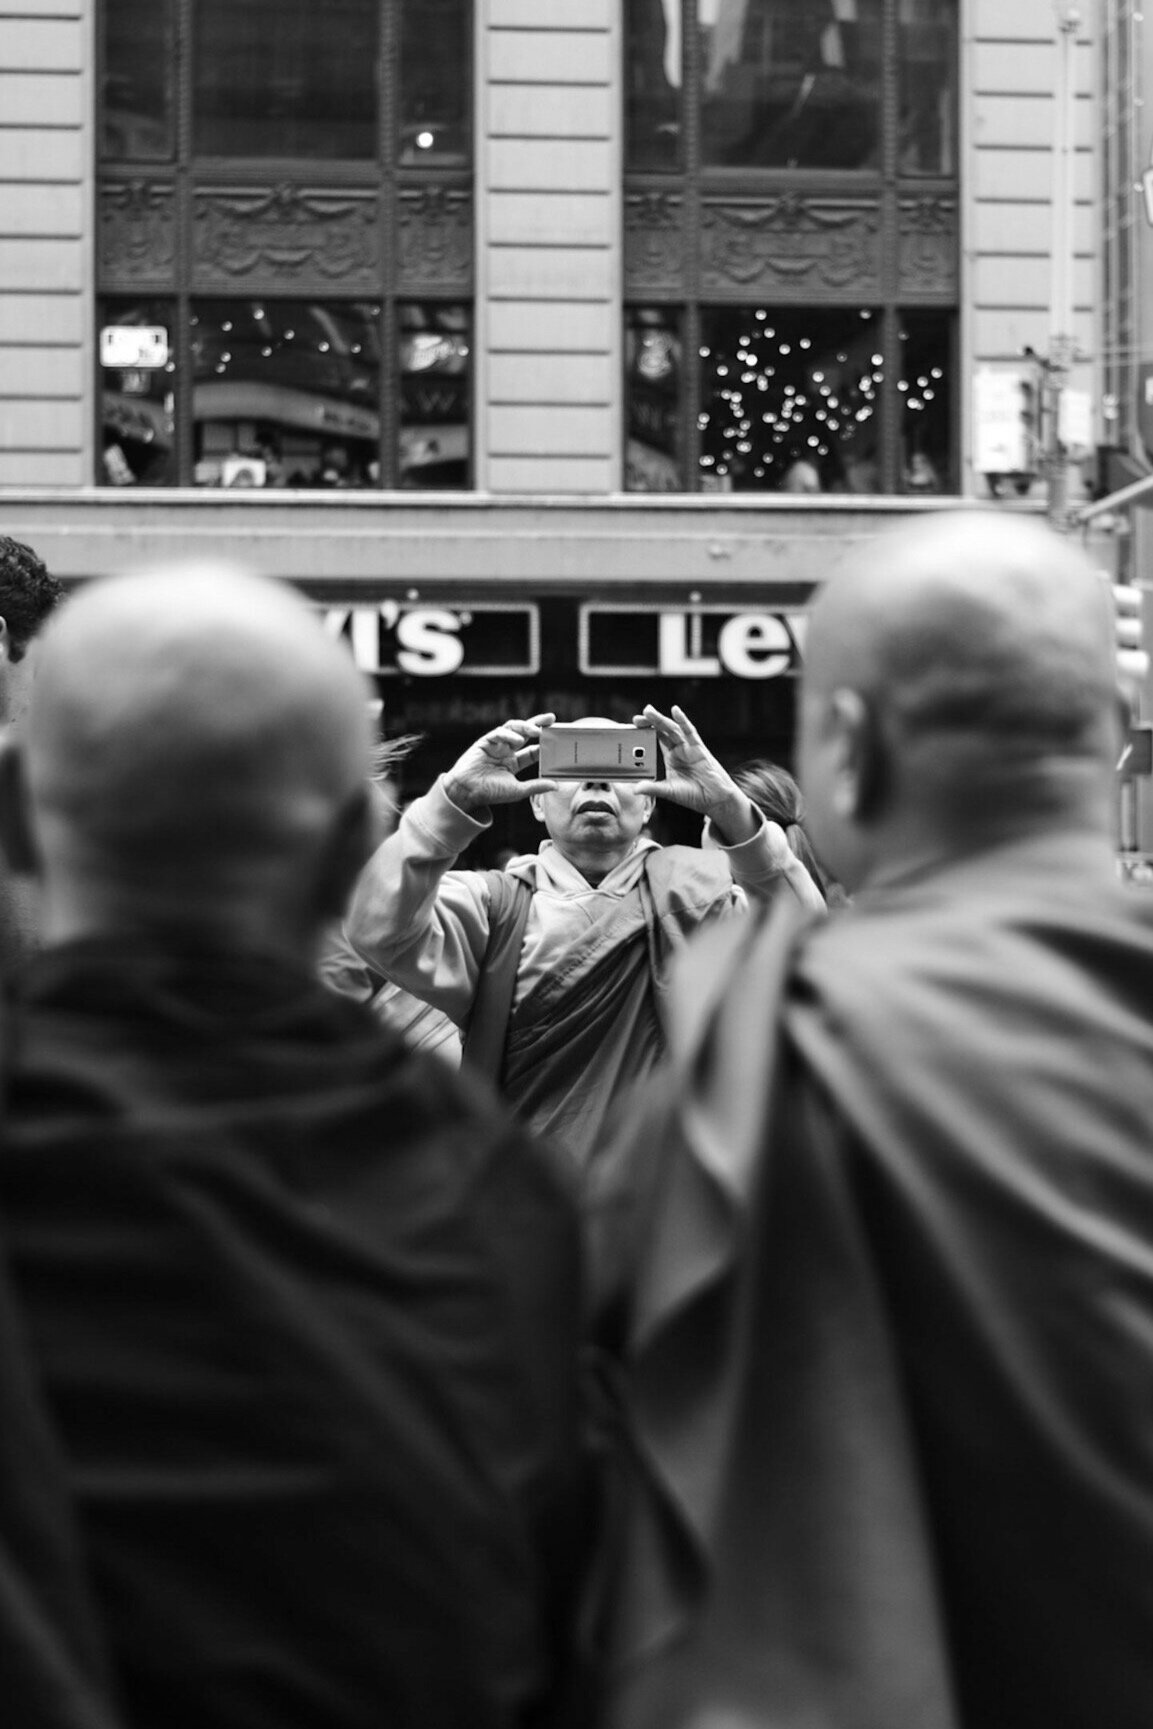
46,153
1008,70
548,247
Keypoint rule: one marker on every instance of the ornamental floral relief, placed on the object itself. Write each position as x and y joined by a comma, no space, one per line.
285,234
137,232
435,239
791,244
654,241
928,246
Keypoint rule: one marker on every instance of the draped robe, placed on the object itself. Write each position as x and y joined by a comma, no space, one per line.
875,1269
305,1309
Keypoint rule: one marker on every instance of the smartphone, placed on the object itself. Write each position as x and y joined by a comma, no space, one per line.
571,751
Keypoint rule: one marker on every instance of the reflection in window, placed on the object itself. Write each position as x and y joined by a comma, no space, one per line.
435,370
927,140
653,83
285,78
653,401
435,81
137,95
790,400
790,83
286,393
136,375
926,403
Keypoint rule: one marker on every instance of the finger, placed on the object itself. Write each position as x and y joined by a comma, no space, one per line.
686,725
539,720
666,729
530,788
511,736
528,753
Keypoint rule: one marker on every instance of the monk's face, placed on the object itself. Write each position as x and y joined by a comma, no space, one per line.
593,815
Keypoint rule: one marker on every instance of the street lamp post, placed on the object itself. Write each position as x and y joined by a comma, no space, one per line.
1061,342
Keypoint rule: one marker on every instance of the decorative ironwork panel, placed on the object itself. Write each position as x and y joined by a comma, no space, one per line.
137,234
927,247
434,239
285,235
654,244
791,247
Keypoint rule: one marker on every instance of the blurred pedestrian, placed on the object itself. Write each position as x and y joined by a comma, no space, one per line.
555,965
876,1256
303,1306
29,595
778,798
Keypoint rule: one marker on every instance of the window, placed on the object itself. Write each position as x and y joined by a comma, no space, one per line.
791,245
285,243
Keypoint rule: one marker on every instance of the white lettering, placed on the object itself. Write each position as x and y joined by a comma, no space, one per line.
430,643
675,661
755,645
365,634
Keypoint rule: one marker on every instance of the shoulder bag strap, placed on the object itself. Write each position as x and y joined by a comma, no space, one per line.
509,899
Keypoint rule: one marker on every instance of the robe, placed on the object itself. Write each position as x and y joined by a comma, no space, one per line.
875,1286
585,1021
305,1307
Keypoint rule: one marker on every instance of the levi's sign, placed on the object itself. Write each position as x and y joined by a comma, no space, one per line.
489,639
696,642
499,639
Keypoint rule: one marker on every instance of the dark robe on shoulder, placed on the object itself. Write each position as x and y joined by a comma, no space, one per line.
53,1666
876,1269
306,1310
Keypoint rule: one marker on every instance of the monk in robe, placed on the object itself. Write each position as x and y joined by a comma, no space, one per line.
584,929
875,1259
304,1305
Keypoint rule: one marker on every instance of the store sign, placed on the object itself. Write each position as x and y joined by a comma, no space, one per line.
487,640
693,642
137,347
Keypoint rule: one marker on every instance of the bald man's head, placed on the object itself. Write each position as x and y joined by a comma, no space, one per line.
195,741
957,667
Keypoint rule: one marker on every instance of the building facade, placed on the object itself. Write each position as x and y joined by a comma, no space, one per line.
557,350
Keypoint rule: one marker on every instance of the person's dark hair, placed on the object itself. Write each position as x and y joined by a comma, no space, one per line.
778,797
28,593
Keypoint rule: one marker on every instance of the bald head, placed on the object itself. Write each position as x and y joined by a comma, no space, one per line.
976,651
195,741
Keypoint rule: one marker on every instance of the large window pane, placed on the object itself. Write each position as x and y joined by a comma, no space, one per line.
435,369
790,400
286,393
285,78
435,81
652,83
790,83
136,377
653,401
926,387
928,115
136,112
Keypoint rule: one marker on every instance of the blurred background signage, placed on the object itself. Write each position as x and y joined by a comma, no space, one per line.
488,639
694,642
134,347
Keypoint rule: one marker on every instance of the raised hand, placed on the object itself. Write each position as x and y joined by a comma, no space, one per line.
487,772
694,778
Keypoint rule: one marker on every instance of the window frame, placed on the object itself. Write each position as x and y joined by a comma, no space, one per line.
907,222
403,233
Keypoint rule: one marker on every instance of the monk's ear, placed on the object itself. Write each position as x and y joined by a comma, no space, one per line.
351,841
856,756
17,834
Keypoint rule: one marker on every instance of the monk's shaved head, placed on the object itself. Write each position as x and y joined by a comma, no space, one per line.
194,735
980,647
